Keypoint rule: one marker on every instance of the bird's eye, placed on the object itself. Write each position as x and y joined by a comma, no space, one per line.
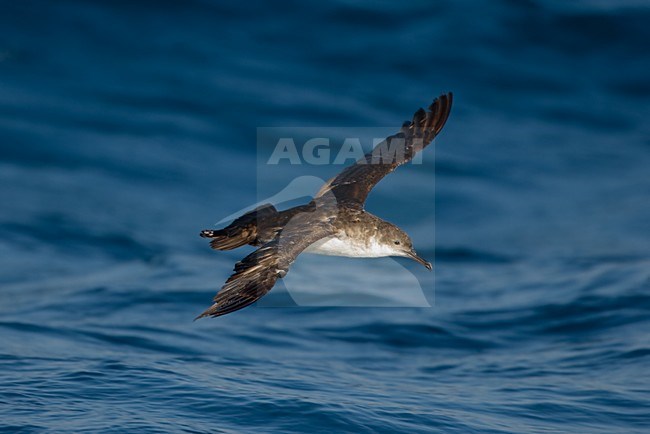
397,242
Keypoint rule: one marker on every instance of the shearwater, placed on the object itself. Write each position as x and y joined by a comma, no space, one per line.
334,222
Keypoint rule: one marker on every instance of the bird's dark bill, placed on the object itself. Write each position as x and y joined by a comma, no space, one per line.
422,261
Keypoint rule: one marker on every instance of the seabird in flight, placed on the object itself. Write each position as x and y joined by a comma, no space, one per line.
333,223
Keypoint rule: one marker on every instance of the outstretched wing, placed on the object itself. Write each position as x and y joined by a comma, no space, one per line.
257,273
354,183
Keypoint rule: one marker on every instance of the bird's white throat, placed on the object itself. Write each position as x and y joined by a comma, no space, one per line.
334,246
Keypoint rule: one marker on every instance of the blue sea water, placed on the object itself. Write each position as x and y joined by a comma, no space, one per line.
127,127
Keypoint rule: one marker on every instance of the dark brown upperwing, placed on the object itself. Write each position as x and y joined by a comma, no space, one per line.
257,273
354,183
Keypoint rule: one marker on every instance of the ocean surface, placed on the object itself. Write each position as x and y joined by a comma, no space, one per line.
127,127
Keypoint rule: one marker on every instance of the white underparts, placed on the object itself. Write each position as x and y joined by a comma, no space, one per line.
334,246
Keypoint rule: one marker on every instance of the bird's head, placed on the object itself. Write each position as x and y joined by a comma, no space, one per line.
400,244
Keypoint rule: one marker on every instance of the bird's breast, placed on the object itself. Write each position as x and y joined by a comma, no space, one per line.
351,247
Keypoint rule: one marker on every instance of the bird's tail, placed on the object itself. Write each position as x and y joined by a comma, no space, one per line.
240,232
